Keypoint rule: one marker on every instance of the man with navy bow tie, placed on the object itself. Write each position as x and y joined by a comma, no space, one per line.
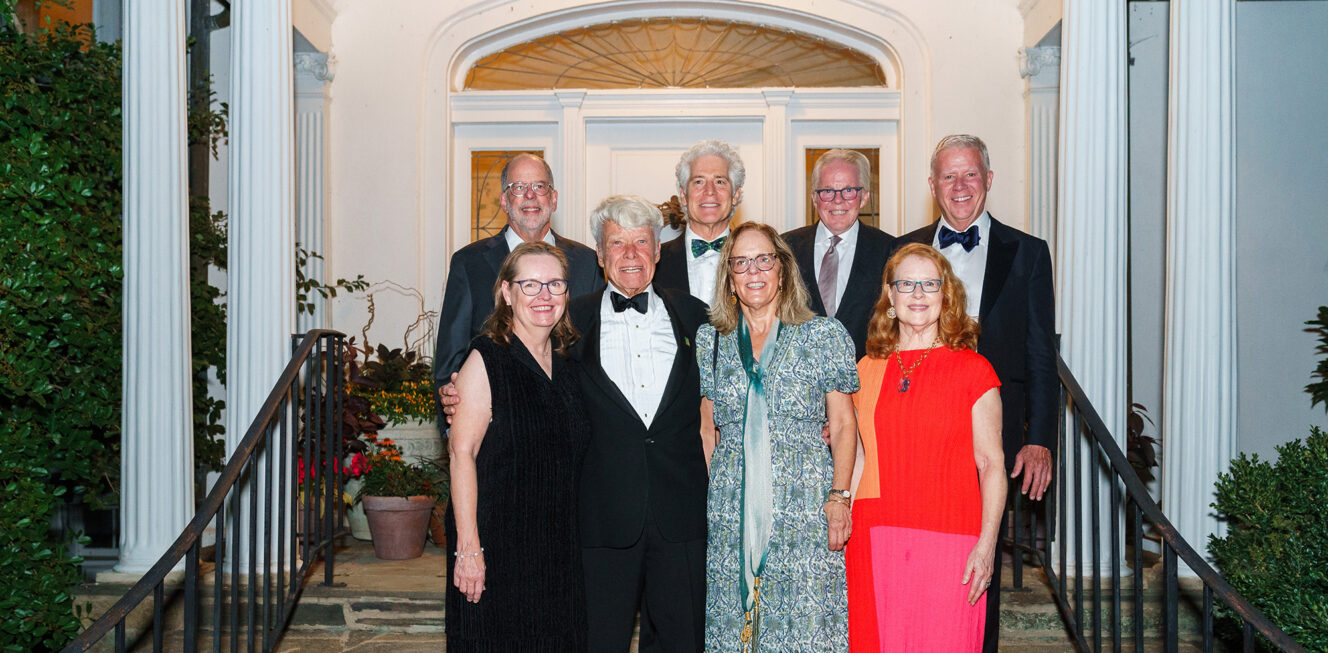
1008,278
710,177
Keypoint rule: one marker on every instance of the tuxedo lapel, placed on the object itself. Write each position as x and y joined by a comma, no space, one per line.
862,288
594,367
681,360
1001,251
803,254
496,253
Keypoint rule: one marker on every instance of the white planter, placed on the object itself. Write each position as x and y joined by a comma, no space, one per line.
418,441
359,524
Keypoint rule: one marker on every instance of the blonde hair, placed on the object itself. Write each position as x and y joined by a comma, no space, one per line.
498,326
956,329
792,296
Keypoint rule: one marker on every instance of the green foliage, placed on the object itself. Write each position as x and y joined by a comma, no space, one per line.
394,368
1275,553
305,286
390,476
60,337
1319,389
207,319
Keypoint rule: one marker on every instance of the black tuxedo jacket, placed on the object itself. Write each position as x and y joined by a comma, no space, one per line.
468,299
631,469
671,271
1018,321
864,279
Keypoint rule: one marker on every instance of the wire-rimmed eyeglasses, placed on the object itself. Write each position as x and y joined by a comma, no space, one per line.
532,287
848,193
740,264
519,188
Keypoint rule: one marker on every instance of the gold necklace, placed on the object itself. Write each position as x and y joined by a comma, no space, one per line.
905,371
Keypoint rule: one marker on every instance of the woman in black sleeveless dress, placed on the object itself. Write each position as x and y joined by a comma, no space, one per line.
514,579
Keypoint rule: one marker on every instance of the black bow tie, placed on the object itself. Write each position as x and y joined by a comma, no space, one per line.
969,238
621,303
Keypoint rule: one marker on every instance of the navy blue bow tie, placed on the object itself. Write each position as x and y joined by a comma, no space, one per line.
700,247
638,301
968,239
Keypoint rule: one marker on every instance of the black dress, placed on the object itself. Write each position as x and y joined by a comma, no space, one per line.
526,469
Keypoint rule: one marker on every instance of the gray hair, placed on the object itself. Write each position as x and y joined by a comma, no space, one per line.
848,156
548,172
628,212
956,141
709,147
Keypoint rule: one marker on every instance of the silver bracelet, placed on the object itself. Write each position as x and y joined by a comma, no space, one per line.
461,555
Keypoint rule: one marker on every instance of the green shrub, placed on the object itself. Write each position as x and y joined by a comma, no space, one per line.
1275,553
60,284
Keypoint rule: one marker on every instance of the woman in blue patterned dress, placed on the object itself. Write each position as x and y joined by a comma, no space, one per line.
772,375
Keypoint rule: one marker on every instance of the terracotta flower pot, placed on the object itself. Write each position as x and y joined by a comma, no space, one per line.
398,525
437,532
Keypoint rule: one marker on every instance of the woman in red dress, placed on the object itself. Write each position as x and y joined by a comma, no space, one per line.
927,507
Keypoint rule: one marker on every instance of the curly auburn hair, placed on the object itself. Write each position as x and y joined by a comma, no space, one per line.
499,324
956,329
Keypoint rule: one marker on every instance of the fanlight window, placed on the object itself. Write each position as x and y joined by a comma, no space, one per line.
674,53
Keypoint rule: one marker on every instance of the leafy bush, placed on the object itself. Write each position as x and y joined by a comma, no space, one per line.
1275,553
1318,389
60,284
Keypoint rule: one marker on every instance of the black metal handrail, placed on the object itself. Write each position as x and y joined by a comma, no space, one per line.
1128,499
314,423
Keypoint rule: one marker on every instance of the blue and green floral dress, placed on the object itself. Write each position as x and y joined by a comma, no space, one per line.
804,603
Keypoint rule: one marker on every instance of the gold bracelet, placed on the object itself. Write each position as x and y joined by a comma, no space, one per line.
839,500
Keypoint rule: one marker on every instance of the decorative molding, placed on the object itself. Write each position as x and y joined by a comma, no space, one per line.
1033,60
318,65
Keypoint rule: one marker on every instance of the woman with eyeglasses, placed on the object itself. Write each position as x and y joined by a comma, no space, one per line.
927,506
772,375
514,577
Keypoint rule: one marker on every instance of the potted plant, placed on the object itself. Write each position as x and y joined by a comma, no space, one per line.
399,388
310,488
398,498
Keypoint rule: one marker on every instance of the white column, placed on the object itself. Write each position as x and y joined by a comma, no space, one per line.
1042,69
1092,235
1199,386
312,73
260,294
157,442
774,146
573,204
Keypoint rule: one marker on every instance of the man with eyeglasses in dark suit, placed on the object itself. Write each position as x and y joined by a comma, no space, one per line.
840,258
529,200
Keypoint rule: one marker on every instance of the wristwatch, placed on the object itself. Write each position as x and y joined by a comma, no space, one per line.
838,495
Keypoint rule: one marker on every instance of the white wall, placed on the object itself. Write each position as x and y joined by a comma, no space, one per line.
388,99
1281,216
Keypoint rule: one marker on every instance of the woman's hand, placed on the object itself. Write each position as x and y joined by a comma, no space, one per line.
468,575
978,570
840,522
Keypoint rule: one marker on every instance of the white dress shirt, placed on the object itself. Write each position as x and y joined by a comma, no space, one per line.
970,267
848,245
636,350
701,270
513,239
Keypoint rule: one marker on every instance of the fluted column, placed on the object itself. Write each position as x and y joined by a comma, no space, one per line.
774,145
1199,385
157,444
1092,243
313,71
260,294
1042,69
573,209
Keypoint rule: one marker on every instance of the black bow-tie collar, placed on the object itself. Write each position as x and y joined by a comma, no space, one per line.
638,301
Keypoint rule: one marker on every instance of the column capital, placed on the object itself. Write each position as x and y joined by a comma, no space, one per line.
570,99
777,97
1041,66
316,65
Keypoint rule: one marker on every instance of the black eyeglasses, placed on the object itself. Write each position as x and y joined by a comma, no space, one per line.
531,287
519,188
849,193
740,264
907,285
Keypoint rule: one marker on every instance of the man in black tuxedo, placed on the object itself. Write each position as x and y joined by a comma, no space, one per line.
1008,277
643,485
642,508
529,200
841,259
710,178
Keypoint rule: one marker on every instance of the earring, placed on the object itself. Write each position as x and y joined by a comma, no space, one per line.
733,298
890,312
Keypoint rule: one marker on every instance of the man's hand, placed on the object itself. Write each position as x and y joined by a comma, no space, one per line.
1034,461
449,397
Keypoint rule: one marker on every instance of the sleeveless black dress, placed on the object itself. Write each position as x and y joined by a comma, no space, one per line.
527,470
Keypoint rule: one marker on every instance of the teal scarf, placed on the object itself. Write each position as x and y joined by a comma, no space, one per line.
757,492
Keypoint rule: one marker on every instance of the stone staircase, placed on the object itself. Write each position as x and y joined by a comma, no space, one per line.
397,607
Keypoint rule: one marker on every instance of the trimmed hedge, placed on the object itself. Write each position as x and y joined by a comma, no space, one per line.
60,283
